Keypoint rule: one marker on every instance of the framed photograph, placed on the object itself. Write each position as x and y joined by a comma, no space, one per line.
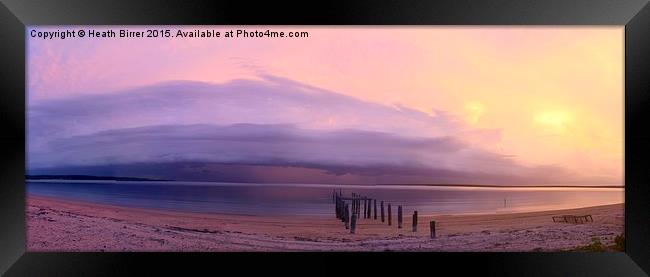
500,138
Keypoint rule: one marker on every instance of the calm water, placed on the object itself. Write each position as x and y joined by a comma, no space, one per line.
296,199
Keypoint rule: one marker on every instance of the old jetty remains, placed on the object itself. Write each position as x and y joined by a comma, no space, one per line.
349,210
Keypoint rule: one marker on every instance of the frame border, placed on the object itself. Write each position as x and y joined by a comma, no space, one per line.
634,14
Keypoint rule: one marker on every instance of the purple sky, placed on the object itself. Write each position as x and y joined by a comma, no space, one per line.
345,105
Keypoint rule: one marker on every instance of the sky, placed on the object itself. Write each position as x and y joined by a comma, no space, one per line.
484,105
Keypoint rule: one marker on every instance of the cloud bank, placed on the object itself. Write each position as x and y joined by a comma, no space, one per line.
268,130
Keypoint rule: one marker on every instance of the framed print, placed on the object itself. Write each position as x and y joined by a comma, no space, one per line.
507,135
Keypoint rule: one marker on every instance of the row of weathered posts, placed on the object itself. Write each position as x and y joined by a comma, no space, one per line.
350,212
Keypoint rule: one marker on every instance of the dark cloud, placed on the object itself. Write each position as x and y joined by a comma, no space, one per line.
283,153
272,129
245,143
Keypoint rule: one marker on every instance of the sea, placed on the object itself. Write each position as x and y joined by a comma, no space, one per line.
317,199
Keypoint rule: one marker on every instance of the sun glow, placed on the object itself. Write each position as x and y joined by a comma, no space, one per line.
557,120
474,111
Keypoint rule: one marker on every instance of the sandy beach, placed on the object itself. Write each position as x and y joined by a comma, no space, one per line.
58,225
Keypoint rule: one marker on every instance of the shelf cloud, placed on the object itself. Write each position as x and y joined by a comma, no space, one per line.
294,131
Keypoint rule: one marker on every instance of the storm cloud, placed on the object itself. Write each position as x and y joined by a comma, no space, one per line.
271,129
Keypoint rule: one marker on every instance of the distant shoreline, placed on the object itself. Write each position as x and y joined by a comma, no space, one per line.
88,178
109,178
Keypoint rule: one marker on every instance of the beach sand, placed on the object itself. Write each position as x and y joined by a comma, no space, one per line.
58,225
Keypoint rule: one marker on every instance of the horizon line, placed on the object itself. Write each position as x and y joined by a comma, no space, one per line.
108,178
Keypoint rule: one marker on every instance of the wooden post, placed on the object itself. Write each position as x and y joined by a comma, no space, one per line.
339,209
344,210
415,221
365,206
357,209
336,207
382,211
399,217
353,224
432,226
369,208
390,216
342,206
341,202
356,206
347,216
375,202
352,203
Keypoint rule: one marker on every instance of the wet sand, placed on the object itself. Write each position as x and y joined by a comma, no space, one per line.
61,225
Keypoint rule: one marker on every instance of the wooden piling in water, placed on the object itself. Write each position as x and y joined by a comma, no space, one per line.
415,221
390,216
369,208
432,227
344,210
336,207
369,213
375,204
354,207
365,210
365,207
358,213
356,201
339,209
341,206
353,224
346,217
360,206
353,203
382,211
399,217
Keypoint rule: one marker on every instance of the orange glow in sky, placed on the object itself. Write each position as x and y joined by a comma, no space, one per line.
554,94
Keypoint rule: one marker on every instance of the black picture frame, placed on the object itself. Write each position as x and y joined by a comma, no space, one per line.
633,14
